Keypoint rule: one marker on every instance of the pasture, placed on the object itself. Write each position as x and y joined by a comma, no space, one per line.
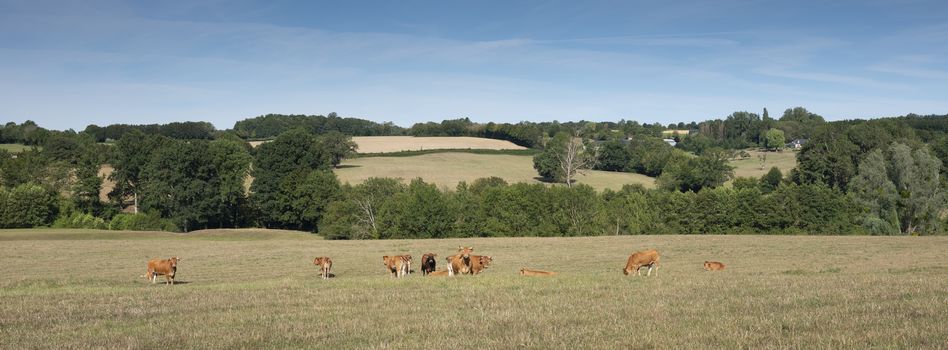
448,169
250,289
14,147
751,167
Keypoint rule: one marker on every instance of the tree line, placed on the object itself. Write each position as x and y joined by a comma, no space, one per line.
883,176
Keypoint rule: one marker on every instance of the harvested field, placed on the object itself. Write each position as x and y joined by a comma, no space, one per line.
247,289
389,144
448,169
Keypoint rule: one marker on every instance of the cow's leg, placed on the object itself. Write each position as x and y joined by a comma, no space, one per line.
649,274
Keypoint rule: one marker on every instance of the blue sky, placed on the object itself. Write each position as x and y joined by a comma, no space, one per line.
72,63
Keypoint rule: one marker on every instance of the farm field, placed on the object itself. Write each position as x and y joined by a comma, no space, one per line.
448,169
258,289
388,144
750,167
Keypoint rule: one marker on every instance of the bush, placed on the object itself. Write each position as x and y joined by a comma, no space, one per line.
27,205
150,221
80,220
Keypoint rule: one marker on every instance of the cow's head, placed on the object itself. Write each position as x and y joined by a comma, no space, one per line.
385,260
523,270
174,261
465,253
429,258
486,260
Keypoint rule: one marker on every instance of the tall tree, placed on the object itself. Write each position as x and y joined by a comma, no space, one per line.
872,189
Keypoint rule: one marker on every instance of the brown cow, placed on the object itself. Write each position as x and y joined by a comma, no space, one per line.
166,267
713,266
428,263
438,273
397,265
325,264
479,263
460,263
641,259
528,272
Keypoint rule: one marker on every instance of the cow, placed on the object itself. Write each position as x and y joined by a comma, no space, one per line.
325,264
641,259
166,267
428,263
438,273
713,266
479,263
528,272
397,265
460,263
407,260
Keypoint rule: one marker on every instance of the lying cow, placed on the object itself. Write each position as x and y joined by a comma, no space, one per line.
438,273
528,272
325,264
641,259
166,267
713,266
460,263
479,263
428,263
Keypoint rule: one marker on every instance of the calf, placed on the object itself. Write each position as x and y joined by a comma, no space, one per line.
528,272
713,266
641,259
325,264
428,263
438,273
166,267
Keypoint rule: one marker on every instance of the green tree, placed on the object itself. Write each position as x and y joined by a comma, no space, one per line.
231,159
872,189
132,153
688,173
85,191
771,180
613,156
774,139
922,199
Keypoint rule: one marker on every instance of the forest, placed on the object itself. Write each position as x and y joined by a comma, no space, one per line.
877,176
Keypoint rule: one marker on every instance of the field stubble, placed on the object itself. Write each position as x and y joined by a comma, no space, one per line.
64,290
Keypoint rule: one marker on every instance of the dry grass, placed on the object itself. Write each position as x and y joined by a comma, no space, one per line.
751,167
388,144
448,169
245,292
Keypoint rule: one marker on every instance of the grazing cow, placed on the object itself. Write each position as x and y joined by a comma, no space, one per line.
460,263
528,272
397,265
438,273
713,266
479,263
325,264
641,259
166,267
428,263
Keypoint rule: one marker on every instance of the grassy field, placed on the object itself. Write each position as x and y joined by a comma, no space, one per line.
448,169
14,147
244,289
751,167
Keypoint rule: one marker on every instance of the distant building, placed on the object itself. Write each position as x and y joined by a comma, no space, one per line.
670,142
796,144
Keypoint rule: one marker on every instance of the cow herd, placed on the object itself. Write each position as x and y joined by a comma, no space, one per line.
462,263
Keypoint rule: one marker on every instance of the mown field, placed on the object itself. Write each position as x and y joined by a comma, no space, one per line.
751,167
388,144
248,289
448,169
